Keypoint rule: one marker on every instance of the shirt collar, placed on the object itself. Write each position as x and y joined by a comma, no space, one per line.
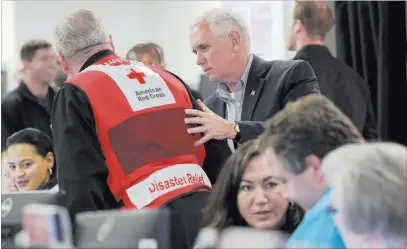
320,207
324,201
26,93
222,90
96,57
245,75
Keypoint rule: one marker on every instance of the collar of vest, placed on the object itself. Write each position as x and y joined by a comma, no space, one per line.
96,57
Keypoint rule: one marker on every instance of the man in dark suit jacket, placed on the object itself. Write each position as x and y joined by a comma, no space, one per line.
345,87
29,105
251,90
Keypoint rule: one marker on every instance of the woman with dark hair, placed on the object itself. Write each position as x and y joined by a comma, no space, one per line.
31,161
247,194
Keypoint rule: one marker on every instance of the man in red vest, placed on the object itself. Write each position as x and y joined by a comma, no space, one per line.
119,133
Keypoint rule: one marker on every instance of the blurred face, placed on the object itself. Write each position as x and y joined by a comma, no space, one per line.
148,58
260,199
300,188
43,66
28,168
215,54
292,35
7,181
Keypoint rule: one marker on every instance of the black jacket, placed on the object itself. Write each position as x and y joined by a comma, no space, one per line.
82,169
270,86
20,109
345,87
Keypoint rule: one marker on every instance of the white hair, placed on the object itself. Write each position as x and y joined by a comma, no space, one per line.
79,30
222,22
370,180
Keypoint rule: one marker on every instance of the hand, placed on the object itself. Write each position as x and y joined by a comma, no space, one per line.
211,125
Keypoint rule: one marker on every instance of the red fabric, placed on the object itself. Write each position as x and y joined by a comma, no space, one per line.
138,143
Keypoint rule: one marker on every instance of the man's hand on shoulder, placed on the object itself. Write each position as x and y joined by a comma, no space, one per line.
210,124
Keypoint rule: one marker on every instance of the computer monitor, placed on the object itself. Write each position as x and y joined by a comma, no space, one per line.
12,205
145,228
245,237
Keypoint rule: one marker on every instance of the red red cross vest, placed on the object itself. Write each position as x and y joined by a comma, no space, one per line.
139,112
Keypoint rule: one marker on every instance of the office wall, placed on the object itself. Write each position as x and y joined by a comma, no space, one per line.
169,23
36,19
129,22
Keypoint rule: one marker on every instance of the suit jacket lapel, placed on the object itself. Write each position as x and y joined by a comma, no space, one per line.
255,83
219,108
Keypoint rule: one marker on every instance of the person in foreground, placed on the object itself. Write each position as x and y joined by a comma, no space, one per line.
119,131
295,142
31,160
369,194
250,90
247,193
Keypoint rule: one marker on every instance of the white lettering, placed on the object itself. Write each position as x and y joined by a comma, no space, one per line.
166,180
151,93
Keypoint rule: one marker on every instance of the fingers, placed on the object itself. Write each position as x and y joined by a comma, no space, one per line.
195,120
193,112
199,129
203,140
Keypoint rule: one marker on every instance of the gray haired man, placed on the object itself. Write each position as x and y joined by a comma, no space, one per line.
250,89
369,198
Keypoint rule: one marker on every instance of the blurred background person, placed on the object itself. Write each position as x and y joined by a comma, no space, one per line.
312,20
60,78
369,194
148,53
295,142
152,54
29,106
247,193
8,183
31,162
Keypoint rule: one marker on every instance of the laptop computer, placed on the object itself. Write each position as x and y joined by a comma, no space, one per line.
12,205
147,229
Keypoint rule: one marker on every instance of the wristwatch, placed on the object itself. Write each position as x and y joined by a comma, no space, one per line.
237,130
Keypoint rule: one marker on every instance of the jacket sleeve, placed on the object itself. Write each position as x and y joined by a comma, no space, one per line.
301,81
82,171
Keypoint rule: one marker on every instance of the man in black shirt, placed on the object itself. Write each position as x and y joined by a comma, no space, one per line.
87,169
337,81
29,106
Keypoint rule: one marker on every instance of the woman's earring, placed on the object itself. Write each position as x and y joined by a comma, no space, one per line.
50,171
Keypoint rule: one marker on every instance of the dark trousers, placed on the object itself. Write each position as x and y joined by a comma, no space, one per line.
186,219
